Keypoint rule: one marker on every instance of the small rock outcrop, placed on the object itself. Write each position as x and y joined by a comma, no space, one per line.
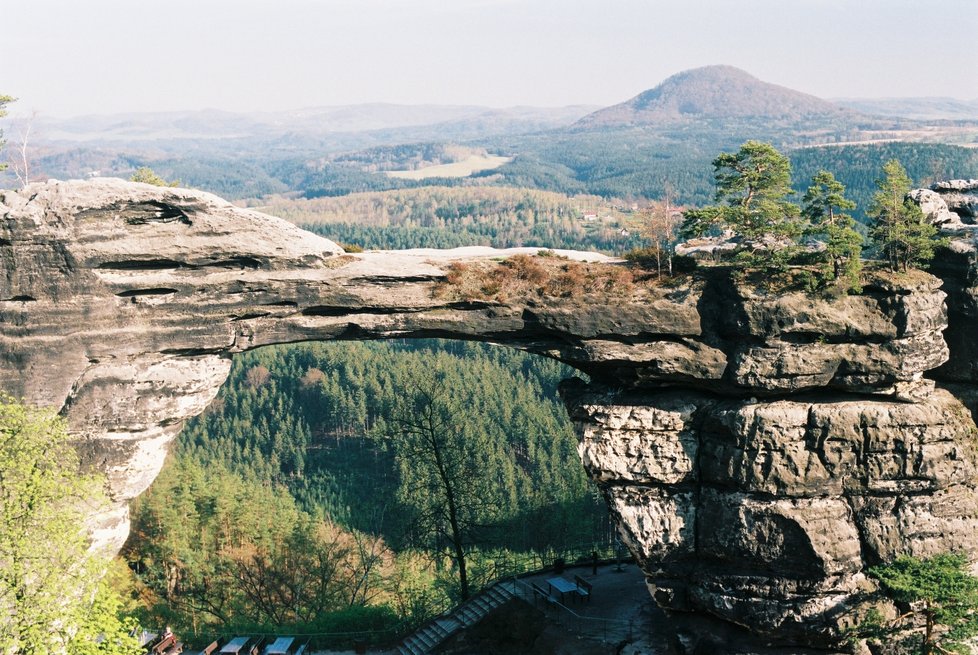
961,198
957,266
758,450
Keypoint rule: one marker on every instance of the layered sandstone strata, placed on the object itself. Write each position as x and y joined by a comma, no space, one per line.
759,450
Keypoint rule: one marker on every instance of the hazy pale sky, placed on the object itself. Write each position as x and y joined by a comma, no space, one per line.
68,57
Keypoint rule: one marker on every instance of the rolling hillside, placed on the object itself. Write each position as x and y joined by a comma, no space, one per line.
714,92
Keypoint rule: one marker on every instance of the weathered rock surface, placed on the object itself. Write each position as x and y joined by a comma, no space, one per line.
759,451
961,197
957,266
935,207
767,513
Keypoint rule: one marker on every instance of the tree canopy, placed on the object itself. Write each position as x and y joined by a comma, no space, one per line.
823,207
298,428
941,591
147,175
899,229
48,577
752,189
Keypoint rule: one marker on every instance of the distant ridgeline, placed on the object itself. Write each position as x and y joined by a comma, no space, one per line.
665,136
612,165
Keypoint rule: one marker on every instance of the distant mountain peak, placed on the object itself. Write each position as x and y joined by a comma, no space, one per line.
711,92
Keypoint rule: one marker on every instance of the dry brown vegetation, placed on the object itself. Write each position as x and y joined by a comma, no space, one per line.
541,276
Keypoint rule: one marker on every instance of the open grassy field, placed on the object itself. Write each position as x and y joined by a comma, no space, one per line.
464,168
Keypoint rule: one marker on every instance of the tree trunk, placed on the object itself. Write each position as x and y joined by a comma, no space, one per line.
926,648
456,538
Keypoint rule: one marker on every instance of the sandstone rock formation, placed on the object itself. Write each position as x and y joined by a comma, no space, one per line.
758,450
957,267
961,197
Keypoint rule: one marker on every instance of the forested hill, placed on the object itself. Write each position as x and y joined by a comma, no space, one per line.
714,92
283,506
441,216
314,418
449,217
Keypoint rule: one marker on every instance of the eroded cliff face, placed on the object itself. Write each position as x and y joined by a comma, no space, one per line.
759,451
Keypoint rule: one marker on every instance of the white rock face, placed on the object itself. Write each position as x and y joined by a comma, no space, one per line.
961,197
935,208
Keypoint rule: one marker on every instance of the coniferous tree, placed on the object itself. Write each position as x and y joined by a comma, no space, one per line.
899,229
940,592
823,207
752,190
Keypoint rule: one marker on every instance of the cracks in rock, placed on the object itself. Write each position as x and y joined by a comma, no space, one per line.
141,265
347,310
157,264
248,317
147,212
393,280
156,212
867,555
194,352
337,311
160,291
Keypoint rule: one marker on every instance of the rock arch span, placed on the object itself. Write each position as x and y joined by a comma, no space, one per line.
757,451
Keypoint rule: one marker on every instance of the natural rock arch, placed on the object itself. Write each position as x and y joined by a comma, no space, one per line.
758,451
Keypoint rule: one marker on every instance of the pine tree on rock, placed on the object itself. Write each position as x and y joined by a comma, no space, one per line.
899,230
823,207
752,190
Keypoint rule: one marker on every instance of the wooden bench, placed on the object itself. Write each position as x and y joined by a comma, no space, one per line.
583,588
164,644
175,649
210,648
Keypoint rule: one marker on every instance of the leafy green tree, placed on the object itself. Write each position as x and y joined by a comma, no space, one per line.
147,175
4,101
103,630
48,577
899,229
752,187
442,471
940,591
823,207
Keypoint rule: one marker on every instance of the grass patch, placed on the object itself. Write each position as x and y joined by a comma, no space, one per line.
541,276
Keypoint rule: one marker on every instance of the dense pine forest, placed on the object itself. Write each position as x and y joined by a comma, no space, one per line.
291,481
449,217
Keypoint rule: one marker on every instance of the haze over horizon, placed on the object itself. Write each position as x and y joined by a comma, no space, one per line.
101,57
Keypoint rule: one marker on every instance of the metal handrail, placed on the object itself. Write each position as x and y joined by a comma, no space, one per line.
529,589
399,632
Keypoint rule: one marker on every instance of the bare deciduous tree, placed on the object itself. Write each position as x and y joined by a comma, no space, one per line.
19,157
442,478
